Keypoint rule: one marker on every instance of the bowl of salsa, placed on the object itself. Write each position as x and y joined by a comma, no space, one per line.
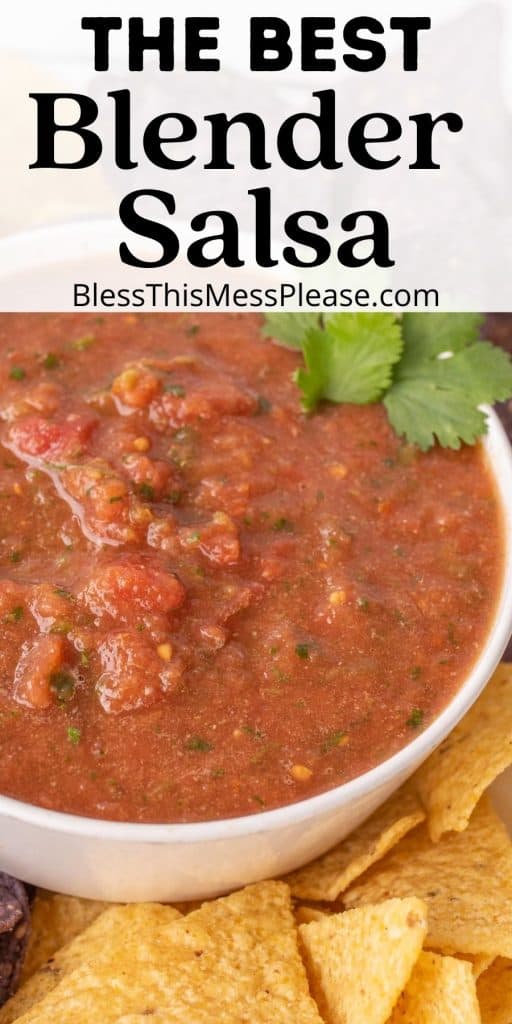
228,630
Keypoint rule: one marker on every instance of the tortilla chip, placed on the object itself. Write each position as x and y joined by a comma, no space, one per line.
56,920
359,962
454,777
87,946
327,877
441,990
495,993
479,964
235,959
465,880
304,915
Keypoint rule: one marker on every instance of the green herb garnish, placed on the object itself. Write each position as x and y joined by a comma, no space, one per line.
415,719
333,740
302,651
63,685
282,525
176,389
17,373
15,615
82,344
431,370
15,556
146,491
74,735
197,743
51,361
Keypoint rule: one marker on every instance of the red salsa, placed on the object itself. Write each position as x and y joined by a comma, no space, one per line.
211,604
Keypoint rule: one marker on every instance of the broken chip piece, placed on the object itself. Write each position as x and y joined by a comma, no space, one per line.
454,777
326,877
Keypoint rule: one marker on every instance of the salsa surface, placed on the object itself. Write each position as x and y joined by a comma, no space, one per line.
210,604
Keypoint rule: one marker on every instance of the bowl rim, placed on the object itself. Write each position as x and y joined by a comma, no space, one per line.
499,455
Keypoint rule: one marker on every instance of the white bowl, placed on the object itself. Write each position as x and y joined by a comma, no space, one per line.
123,862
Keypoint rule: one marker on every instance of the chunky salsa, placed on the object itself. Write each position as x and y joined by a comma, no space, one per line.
210,603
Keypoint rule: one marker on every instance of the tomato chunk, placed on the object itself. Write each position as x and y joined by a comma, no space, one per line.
33,676
136,387
134,675
126,590
52,439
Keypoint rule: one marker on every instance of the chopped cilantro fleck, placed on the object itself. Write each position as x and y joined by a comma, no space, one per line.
251,731
258,799
74,735
81,344
197,743
217,773
332,740
176,389
175,497
282,525
193,329
415,719
146,491
62,592
84,659
62,684
302,650
15,556
61,628
15,615
263,404
51,361
116,497
415,672
363,603
17,373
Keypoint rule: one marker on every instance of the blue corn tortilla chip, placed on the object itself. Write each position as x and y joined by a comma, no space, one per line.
15,900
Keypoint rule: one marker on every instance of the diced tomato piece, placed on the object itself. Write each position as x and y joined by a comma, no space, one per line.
136,387
44,398
12,595
232,496
125,590
38,662
217,540
209,402
52,439
152,476
134,675
48,606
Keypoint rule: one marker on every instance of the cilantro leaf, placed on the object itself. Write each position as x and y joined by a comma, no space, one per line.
444,375
290,328
429,334
422,412
350,360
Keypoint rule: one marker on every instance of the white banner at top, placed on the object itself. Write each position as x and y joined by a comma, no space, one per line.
297,156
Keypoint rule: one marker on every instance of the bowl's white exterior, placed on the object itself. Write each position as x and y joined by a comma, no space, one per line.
123,862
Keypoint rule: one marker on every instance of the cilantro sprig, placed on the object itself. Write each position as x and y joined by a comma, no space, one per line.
431,370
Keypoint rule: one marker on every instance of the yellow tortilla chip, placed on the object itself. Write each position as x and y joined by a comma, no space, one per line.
359,962
304,915
465,880
454,777
327,877
90,944
495,993
441,990
235,959
55,921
